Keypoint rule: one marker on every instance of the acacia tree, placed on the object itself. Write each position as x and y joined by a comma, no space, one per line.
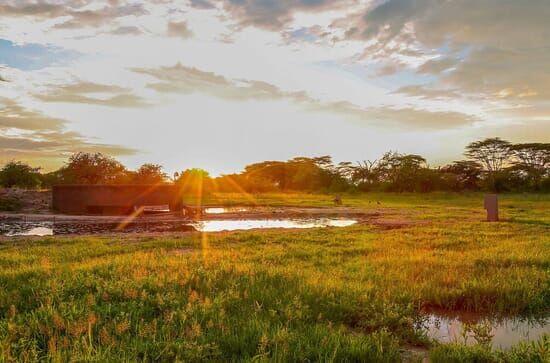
533,156
533,160
493,154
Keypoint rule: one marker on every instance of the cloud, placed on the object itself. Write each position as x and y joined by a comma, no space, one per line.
187,80
428,92
392,116
33,137
274,15
524,131
78,10
202,4
126,30
40,9
105,15
493,48
178,29
80,92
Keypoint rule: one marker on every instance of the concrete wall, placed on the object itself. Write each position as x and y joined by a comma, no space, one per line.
112,199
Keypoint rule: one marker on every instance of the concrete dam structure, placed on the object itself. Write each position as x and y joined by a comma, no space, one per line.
114,199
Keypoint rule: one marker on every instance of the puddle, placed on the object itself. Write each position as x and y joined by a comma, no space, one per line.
62,228
223,210
503,333
32,231
49,228
245,224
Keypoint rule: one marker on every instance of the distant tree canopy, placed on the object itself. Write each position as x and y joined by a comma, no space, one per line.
18,174
492,164
87,168
194,181
492,153
300,173
149,174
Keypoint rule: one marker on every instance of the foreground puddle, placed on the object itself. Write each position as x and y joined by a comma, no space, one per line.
232,225
61,228
502,333
225,210
48,228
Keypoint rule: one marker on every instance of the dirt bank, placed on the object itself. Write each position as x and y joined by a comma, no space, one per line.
28,201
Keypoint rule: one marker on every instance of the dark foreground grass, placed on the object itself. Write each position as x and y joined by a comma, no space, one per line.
338,294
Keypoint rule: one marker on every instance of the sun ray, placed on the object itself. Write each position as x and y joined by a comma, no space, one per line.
129,219
242,191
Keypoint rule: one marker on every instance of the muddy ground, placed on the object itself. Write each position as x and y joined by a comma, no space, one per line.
29,201
35,207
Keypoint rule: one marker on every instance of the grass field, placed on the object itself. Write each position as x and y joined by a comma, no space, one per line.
337,294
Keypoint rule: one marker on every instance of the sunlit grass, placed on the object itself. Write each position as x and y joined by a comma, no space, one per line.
331,294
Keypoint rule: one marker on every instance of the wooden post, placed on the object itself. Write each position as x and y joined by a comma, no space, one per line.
491,205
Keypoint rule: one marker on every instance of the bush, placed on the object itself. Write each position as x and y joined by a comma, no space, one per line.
8,204
18,174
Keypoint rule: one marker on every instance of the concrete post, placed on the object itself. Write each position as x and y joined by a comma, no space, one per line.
491,205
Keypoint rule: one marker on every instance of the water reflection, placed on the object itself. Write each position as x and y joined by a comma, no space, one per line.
245,224
48,228
503,333
223,210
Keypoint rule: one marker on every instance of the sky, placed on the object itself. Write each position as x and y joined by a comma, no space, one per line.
219,84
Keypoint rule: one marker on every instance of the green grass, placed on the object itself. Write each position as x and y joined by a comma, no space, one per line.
337,294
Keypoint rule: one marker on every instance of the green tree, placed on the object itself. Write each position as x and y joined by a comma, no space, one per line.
493,154
532,162
18,174
196,182
402,172
149,174
93,168
466,173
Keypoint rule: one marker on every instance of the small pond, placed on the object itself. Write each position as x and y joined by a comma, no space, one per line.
244,224
503,333
224,210
48,228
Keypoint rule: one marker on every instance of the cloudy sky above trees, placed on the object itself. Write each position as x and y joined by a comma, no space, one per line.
222,83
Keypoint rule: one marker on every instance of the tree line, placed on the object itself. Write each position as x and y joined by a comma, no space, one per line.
492,164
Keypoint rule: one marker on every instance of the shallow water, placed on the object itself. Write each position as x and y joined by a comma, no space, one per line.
62,228
245,224
505,332
49,228
223,210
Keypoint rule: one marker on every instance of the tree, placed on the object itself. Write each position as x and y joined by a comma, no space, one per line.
366,174
18,174
492,153
467,174
149,174
88,168
401,172
533,156
196,182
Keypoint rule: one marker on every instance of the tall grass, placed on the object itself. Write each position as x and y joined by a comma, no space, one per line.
335,294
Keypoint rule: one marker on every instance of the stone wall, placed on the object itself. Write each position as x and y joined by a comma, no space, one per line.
113,199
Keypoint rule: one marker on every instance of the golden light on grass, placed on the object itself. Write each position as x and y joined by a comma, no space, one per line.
241,190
